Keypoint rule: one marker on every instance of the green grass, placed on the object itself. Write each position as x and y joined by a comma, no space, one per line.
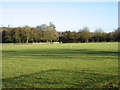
80,65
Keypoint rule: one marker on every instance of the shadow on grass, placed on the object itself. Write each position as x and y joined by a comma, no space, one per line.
90,51
8,51
64,54
64,51
56,78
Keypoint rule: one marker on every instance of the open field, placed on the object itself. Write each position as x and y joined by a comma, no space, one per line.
79,65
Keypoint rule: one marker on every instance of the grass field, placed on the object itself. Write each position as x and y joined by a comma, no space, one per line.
80,65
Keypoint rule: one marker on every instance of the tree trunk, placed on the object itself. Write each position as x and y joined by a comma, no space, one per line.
27,40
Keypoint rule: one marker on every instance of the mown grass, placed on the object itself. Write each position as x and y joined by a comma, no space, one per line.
79,65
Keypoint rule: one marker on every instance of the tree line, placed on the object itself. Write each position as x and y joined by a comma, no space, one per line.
48,33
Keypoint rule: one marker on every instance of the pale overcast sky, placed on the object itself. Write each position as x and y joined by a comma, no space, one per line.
65,15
